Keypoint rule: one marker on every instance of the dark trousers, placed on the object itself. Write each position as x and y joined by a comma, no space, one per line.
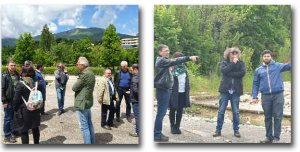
122,93
178,111
104,109
135,107
273,110
36,136
44,99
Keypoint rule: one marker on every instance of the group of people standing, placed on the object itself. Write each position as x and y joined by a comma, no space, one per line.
172,90
17,88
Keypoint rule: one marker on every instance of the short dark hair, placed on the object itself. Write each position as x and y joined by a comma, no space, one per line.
107,69
160,47
135,66
39,66
28,71
266,52
10,61
177,55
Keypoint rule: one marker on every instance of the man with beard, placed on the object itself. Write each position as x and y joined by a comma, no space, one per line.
268,79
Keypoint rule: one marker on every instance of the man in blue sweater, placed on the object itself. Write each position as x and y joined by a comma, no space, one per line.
40,77
268,79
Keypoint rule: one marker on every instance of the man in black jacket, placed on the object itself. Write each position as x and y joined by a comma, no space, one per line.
163,82
122,80
134,97
9,80
231,88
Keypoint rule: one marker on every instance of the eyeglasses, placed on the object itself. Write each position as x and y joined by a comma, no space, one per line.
234,52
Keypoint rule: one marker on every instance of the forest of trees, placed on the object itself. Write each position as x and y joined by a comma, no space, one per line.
207,31
48,51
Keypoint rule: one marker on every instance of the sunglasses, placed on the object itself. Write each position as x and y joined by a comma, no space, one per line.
234,52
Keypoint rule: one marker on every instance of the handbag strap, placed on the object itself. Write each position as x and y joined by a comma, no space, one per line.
24,101
26,85
35,90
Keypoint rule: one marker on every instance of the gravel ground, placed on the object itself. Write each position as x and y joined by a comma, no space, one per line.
65,129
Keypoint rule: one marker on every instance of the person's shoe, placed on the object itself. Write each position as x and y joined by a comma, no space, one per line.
266,141
106,127
237,134
178,131
162,138
118,119
129,120
133,135
10,139
113,126
44,113
217,133
59,113
173,130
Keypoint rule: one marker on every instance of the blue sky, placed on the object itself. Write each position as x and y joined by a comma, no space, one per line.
17,19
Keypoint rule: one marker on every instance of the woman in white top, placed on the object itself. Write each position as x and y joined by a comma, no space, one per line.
180,97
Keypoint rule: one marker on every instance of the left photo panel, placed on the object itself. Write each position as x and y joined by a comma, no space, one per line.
70,74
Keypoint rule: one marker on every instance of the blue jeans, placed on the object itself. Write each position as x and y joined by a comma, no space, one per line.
273,109
61,91
223,102
163,98
86,126
135,107
8,118
122,93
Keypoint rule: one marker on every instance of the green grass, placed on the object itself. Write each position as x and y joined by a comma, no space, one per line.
211,85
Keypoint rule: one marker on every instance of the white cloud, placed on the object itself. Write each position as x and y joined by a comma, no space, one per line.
18,19
123,26
106,14
121,7
52,27
82,27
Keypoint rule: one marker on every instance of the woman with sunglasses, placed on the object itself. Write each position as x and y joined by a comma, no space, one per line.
231,88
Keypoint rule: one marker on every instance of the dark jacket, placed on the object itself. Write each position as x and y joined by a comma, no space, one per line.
175,94
268,78
162,78
84,88
134,88
24,119
7,86
232,76
117,78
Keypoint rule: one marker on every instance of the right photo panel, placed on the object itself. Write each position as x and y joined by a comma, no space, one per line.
222,74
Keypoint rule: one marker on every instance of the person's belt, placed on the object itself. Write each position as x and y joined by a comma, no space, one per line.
124,88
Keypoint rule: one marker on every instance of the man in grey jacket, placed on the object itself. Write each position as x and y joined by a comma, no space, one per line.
61,79
163,82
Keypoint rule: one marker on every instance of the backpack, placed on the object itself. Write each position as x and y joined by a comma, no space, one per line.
35,100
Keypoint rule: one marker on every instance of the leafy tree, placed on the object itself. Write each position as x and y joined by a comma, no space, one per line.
111,43
81,47
61,52
131,55
46,39
42,57
165,28
96,55
7,52
25,48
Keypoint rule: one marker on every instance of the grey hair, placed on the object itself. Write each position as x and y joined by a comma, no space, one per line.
124,62
228,50
10,61
84,61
